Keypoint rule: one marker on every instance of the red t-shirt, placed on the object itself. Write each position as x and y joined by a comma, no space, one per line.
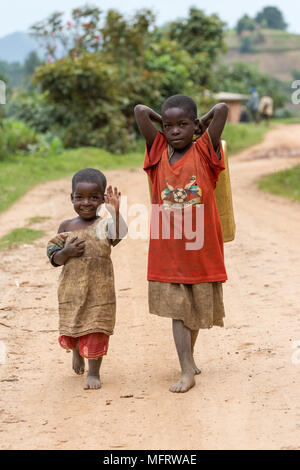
186,244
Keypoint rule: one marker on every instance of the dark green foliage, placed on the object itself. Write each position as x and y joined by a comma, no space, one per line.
246,45
296,74
246,24
271,17
100,66
199,33
87,93
240,77
34,109
94,92
15,136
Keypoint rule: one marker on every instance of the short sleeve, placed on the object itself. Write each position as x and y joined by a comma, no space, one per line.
214,161
154,153
54,245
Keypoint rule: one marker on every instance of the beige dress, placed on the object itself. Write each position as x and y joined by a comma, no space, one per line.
197,305
86,293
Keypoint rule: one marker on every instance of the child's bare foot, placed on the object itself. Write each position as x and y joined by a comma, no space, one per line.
78,363
197,371
92,382
186,382
93,376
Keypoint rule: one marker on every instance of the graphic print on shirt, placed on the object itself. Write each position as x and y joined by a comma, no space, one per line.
182,197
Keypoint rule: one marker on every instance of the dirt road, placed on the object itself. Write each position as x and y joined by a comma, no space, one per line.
248,393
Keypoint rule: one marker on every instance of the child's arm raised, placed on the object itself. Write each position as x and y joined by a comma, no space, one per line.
112,202
145,117
214,121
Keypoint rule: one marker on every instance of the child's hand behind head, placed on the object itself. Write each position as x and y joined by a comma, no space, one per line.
203,125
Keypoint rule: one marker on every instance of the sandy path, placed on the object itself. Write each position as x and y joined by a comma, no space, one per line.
247,394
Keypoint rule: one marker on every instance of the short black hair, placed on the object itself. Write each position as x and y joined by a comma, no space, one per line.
182,102
89,175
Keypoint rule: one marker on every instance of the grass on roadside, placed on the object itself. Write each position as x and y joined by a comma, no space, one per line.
20,173
283,183
38,219
243,135
289,120
20,236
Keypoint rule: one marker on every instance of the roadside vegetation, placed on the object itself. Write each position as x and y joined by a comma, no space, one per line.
283,183
74,109
20,236
18,173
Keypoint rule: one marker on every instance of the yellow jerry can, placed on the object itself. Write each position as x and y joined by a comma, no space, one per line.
223,196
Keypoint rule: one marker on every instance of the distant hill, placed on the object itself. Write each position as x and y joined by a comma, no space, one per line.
16,46
277,53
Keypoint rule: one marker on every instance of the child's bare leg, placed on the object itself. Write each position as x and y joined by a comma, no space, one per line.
93,376
182,338
194,335
77,362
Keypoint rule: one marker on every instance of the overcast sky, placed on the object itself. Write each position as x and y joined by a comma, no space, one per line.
19,15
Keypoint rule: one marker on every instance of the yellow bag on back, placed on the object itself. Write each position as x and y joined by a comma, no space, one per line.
223,196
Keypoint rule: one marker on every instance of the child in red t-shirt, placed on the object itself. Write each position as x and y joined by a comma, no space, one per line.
186,260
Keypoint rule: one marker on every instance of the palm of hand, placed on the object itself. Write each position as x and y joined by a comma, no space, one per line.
112,199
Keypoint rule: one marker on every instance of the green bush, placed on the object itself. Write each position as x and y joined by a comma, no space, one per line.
33,108
246,45
3,149
91,97
16,137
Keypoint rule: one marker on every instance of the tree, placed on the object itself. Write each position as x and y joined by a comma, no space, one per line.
175,69
199,34
31,62
75,37
86,91
245,24
240,77
246,45
202,37
93,90
271,17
